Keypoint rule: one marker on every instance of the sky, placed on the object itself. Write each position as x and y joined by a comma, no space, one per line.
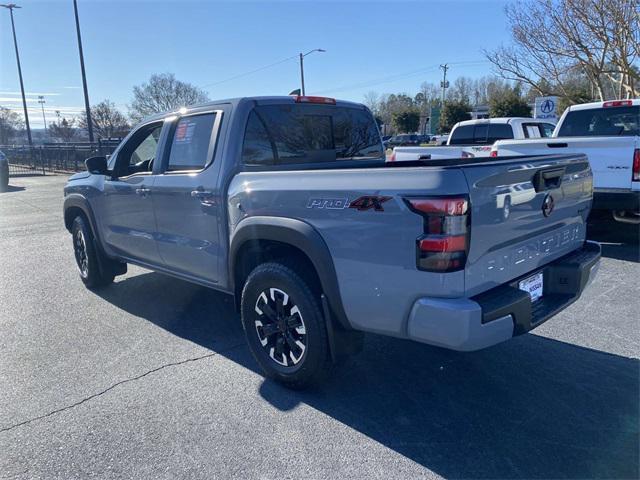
383,46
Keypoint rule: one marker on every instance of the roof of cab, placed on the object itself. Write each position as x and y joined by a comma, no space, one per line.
291,99
501,120
595,105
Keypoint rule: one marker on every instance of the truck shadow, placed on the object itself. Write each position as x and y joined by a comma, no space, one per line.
12,188
529,408
620,241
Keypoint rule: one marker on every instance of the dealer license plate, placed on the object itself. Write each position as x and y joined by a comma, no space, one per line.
533,286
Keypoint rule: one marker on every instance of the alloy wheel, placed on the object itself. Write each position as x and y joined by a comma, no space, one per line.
280,327
80,250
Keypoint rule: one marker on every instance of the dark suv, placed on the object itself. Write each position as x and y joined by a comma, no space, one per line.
405,140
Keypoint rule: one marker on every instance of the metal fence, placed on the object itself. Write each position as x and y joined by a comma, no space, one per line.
53,157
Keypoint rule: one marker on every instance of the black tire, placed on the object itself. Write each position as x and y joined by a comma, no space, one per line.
275,330
92,274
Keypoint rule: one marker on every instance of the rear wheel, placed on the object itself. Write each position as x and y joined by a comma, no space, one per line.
284,326
91,273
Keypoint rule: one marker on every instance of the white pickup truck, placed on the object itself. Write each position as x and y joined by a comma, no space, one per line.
473,138
609,134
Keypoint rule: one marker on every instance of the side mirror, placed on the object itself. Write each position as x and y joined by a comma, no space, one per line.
97,165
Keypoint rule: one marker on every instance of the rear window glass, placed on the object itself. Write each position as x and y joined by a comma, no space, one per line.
462,135
288,134
499,131
481,134
611,121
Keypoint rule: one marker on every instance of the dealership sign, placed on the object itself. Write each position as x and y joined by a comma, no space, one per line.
546,108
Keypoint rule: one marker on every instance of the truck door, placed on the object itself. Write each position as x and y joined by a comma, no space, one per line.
187,197
125,211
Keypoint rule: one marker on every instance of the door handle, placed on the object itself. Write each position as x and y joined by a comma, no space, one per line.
201,193
205,197
143,191
548,179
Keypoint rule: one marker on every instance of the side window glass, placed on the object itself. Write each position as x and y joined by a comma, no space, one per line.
191,142
257,148
532,130
147,148
547,129
138,154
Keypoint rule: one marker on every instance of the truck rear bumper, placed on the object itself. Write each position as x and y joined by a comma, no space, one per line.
616,199
505,311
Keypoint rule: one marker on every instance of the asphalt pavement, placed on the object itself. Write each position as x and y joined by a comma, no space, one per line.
150,378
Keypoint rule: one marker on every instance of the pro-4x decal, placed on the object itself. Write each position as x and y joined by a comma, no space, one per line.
367,202
328,203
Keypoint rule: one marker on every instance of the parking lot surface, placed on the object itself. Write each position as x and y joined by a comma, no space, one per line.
150,378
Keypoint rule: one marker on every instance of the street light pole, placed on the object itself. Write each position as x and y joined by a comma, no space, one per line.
84,76
302,55
41,101
11,6
302,72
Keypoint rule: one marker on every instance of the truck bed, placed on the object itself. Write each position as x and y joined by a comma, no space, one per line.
375,250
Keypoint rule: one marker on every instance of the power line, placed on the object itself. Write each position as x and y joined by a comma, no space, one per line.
392,78
250,72
371,83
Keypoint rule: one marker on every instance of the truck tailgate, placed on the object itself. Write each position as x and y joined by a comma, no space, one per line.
524,215
611,158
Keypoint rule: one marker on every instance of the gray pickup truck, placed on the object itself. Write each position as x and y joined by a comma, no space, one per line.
287,204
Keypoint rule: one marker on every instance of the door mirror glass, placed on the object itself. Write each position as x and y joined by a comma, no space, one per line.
97,165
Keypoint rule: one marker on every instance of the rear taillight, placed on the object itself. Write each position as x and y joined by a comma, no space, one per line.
392,158
443,245
322,100
618,103
493,154
635,175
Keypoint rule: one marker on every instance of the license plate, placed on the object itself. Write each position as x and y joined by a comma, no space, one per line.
533,286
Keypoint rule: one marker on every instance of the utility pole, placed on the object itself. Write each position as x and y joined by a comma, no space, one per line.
11,6
41,101
444,84
302,73
84,76
302,55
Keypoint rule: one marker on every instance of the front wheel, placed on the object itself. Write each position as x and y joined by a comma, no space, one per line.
91,273
284,326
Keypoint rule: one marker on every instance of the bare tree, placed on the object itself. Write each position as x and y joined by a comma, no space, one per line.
163,92
107,120
624,33
372,100
556,39
431,93
63,130
462,90
10,124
